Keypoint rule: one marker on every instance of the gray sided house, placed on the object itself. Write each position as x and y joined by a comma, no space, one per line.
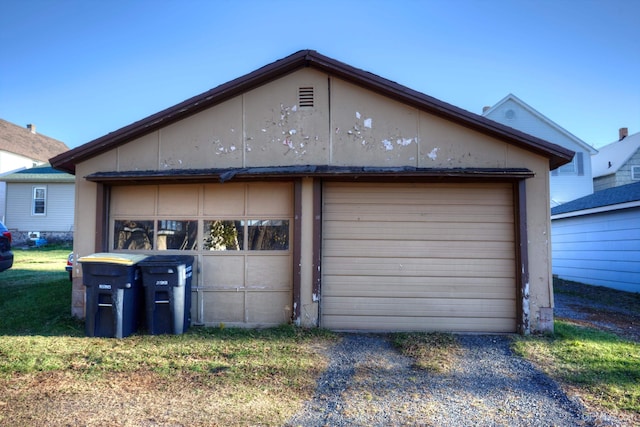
40,204
617,163
313,192
596,239
568,182
22,148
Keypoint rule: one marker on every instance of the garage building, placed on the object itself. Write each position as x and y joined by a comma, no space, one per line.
313,192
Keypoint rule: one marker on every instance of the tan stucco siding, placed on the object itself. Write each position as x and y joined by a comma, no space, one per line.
538,235
85,238
210,139
444,145
370,129
280,132
346,126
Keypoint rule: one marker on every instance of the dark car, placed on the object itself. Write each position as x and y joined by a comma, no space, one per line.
6,256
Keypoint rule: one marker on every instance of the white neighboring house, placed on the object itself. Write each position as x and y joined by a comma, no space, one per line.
617,163
596,239
22,148
40,204
567,182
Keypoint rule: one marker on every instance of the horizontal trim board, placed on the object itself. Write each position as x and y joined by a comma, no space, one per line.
421,307
419,230
376,248
405,323
430,267
323,171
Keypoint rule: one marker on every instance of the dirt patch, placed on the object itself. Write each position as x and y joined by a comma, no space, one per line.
598,307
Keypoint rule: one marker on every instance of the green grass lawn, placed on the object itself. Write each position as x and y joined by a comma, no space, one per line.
50,373
35,294
603,369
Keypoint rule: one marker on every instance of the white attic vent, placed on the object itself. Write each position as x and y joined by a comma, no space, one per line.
305,96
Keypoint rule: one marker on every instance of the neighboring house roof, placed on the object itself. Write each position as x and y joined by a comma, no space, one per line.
40,174
556,154
613,156
511,97
609,199
25,142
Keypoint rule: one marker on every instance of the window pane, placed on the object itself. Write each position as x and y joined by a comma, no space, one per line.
569,168
38,207
268,235
223,235
39,201
133,234
181,235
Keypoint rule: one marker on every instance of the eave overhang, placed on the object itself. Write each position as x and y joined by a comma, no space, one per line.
315,171
67,161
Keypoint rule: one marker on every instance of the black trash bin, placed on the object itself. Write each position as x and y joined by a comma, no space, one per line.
114,305
167,283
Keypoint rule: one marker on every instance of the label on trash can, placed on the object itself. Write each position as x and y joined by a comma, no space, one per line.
104,286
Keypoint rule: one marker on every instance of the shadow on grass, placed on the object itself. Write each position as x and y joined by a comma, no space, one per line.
37,304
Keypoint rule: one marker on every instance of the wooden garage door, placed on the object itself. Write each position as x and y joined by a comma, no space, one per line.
240,234
432,257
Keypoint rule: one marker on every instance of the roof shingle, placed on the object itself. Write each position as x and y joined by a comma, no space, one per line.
610,196
20,140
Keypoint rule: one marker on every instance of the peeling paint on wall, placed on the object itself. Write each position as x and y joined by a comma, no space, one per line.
525,309
433,155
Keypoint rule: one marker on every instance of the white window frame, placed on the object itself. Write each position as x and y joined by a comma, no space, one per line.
635,173
36,197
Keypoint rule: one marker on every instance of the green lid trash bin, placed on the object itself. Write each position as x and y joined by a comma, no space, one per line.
167,283
114,307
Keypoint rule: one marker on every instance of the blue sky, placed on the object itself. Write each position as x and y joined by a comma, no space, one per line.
81,69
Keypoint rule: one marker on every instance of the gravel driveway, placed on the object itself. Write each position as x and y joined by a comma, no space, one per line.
368,383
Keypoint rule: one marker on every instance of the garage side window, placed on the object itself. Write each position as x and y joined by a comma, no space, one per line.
39,204
133,235
253,235
170,234
177,234
268,235
223,235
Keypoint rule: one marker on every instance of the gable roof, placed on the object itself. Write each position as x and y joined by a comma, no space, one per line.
308,58
624,194
511,97
612,157
44,173
22,141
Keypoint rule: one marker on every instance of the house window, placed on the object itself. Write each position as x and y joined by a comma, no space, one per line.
575,167
39,205
635,173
